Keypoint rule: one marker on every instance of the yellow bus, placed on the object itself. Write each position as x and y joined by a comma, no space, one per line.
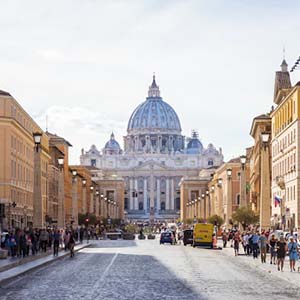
203,235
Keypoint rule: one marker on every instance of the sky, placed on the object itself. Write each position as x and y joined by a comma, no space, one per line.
88,64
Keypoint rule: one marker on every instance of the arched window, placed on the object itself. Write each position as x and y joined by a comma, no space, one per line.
210,162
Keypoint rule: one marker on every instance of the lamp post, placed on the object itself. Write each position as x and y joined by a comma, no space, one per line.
243,160
84,208
74,198
207,206
91,210
202,206
102,214
61,195
97,196
265,184
38,217
229,196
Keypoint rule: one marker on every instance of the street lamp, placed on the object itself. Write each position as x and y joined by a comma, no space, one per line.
74,198
229,173
38,217
61,197
212,189
243,160
265,139
84,182
220,181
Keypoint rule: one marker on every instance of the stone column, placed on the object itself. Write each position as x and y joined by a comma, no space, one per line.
84,199
92,202
145,194
172,194
158,193
38,218
136,199
131,204
74,201
151,191
167,194
265,195
229,200
61,200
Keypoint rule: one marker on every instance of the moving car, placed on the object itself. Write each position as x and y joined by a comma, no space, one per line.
166,237
188,237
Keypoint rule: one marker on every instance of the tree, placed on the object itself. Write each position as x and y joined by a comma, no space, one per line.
245,216
216,220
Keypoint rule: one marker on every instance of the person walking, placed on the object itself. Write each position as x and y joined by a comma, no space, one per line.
224,239
281,252
293,253
272,245
255,247
236,243
71,244
56,239
263,247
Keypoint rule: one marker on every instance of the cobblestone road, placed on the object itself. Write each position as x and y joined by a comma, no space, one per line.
145,270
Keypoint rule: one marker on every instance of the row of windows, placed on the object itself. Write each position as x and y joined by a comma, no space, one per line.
284,116
18,147
21,173
285,166
290,193
18,115
284,142
21,198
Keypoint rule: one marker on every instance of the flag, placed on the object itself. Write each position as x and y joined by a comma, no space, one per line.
277,200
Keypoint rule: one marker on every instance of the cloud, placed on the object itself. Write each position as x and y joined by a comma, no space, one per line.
80,126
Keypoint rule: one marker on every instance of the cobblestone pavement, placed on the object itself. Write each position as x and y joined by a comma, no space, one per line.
145,270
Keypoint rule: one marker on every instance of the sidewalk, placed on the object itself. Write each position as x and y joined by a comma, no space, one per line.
270,270
14,267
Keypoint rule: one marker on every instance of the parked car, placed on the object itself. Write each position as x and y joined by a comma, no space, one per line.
188,237
167,237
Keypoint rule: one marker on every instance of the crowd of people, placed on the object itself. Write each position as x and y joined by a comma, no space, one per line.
25,242
255,244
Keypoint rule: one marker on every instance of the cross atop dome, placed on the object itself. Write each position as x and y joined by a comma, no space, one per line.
153,89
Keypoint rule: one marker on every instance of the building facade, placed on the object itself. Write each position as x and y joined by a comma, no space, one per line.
17,164
155,157
285,151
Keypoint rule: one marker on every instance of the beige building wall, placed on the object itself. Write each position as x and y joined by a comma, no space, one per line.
17,162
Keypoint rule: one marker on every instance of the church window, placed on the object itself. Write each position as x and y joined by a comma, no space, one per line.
141,206
93,162
210,162
162,206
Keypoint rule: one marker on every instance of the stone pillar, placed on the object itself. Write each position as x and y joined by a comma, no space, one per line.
38,217
172,194
136,199
243,187
84,210
61,200
131,204
158,193
265,194
151,191
229,200
74,201
167,194
145,194
92,202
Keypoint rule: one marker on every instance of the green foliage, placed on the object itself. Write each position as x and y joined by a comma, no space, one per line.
215,218
131,228
245,216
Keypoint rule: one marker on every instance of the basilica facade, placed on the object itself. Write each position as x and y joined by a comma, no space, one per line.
155,157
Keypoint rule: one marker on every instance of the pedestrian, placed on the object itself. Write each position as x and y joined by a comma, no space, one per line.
255,247
224,239
56,239
281,251
272,244
293,253
236,243
66,239
44,238
245,238
71,244
81,232
263,247
23,244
